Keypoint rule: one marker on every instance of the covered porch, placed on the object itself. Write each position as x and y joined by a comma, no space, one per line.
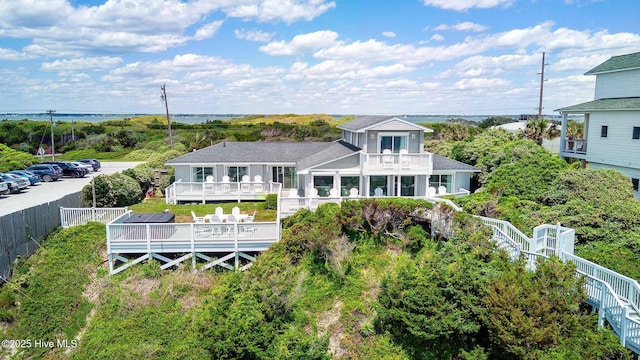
206,192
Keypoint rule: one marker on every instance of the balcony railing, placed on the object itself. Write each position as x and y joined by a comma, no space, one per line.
218,191
396,163
576,146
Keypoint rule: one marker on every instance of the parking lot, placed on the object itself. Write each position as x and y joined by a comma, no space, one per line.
44,192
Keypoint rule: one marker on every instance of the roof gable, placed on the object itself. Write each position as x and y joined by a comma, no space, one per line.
617,63
369,122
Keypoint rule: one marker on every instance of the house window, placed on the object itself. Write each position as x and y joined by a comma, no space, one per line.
636,132
393,143
407,185
377,182
199,174
323,184
441,180
285,175
604,131
236,173
635,183
348,182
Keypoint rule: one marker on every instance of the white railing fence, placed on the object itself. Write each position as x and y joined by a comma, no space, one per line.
80,216
616,296
203,191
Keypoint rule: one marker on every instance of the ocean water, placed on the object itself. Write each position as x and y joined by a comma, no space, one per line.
201,118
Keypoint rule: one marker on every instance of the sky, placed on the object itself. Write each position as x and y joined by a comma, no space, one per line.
350,57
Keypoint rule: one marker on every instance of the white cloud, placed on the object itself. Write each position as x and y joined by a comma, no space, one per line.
288,11
253,35
463,5
389,34
301,43
208,30
13,55
463,26
93,63
437,37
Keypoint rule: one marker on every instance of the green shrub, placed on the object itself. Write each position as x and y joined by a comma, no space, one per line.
112,191
271,202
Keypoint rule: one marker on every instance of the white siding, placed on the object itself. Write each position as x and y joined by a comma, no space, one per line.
394,125
182,173
617,148
618,84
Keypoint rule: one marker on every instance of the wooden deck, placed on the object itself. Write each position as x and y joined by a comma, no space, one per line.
172,244
204,192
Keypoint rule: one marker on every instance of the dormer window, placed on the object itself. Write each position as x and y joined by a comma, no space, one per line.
395,143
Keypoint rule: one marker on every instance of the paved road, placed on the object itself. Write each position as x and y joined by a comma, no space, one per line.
45,192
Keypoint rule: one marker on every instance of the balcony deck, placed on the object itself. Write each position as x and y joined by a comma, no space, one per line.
394,163
185,192
172,244
576,148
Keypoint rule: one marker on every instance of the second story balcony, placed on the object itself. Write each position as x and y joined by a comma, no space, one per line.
396,163
575,148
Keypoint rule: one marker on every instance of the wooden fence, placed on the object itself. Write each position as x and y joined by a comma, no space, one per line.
22,231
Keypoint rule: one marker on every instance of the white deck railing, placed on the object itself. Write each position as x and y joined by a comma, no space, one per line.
615,296
398,163
80,216
218,191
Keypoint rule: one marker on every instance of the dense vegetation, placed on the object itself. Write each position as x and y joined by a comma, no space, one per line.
365,280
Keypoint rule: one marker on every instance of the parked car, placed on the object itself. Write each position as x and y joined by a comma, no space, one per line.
22,182
68,169
4,187
87,167
93,162
14,185
47,172
33,178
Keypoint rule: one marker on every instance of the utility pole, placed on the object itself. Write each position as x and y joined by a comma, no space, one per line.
53,148
542,80
163,96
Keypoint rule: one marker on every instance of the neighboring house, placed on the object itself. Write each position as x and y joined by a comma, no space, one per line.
518,127
377,156
611,120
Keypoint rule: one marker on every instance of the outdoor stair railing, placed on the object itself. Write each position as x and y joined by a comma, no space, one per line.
616,296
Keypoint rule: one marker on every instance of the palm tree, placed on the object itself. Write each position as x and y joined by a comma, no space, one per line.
575,130
538,129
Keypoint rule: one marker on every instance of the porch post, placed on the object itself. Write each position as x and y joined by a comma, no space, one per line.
563,135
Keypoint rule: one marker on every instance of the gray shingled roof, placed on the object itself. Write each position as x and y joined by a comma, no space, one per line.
441,163
251,152
603,105
361,122
617,63
335,151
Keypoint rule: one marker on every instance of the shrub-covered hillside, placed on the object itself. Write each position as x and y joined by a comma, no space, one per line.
361,281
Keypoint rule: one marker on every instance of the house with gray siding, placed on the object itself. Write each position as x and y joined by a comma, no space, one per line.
611,121
376,156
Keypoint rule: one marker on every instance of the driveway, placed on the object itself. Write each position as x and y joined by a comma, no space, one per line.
44,192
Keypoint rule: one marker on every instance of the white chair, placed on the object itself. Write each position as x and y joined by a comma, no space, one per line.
431,191
257,184
353,192
251,218
235,211
442,190
313,198
387,159
226,187
219,211
232,218
378,192
208,185
334,193
245,179
313,193
197,219
209,178
215,219
405,161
